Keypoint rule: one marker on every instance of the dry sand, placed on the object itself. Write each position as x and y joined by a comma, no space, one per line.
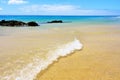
98,60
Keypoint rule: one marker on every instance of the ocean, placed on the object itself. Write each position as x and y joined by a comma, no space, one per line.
66,19
26,51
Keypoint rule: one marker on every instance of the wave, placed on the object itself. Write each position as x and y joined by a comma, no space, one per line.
30,71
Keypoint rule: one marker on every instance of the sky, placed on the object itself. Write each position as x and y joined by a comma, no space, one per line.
59,7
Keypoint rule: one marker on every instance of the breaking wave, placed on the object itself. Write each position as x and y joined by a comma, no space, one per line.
30,71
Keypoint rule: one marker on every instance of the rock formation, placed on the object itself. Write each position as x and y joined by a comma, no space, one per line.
56,21
15,23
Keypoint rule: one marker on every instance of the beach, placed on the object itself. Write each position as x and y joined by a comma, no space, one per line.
85,49
98,60
59,39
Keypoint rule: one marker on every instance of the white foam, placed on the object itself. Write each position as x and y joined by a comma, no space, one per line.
30,71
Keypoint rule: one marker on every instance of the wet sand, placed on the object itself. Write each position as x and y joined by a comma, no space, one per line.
25,51
98,60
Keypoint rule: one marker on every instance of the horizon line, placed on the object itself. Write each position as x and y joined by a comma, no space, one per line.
50,15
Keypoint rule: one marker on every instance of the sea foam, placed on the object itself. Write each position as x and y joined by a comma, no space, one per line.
30,71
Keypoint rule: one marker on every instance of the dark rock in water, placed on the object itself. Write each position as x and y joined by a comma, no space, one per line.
56,21
32,24
13,23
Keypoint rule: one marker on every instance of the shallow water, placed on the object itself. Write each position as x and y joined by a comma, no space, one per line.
98,59
24,52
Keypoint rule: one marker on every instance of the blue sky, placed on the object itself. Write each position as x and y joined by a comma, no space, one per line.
59,7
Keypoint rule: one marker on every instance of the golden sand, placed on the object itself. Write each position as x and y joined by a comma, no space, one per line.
98,60
22,50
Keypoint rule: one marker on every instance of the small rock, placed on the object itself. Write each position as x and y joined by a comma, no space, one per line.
56,21
32,23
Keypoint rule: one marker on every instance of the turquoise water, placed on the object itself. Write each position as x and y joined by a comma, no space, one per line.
67,19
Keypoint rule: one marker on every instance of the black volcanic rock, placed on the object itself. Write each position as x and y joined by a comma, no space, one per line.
13,23
56,21
32,23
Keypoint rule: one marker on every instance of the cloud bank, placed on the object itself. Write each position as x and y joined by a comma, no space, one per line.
47,9
17,1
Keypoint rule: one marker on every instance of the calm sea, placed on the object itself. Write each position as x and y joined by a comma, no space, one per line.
66,19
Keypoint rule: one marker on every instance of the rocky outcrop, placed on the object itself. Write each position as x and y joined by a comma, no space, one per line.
32,23
56,21
14,23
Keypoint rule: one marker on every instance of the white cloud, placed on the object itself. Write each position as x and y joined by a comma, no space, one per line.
48,8
62,10
1,9
17,1
91,12
56,8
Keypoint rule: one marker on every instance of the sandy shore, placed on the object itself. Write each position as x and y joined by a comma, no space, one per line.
25,51
98,60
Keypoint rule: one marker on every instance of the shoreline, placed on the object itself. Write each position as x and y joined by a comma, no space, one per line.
49,66
97,60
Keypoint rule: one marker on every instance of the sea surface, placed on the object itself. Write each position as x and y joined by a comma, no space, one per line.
26,51
66,19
